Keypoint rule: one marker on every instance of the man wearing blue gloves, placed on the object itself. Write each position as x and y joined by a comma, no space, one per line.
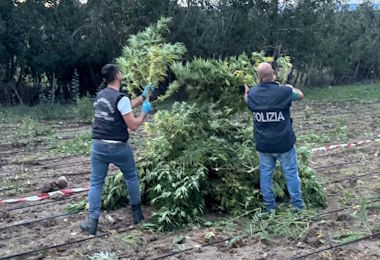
274,135
113,117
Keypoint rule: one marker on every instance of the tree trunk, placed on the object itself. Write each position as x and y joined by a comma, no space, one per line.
17,94
356,70
296,79
20,78
52,86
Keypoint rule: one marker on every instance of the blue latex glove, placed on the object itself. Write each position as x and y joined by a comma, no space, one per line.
146,107
146,90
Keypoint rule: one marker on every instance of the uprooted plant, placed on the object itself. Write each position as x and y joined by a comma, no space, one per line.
147,56
200,155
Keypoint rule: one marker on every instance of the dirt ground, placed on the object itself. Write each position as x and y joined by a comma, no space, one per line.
24,167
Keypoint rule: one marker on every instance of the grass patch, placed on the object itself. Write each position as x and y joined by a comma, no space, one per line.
367,92
29,129
79,145
81,110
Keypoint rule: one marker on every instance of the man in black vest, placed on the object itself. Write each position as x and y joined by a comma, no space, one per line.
113,116
274,135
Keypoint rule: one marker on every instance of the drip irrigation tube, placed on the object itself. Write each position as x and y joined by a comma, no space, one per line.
373,235
351,178
244,236
38,220
63,244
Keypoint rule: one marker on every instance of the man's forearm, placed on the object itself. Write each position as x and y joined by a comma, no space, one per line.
137,121
137,101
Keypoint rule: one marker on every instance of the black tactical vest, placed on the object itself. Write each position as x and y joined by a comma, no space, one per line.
270,104
108,122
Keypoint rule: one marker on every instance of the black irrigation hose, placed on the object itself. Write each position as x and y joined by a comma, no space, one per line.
374,235
245,236
341,209
351,178
191,248
125,230
63,244
54,246
36,162
340,164
69,164
38,220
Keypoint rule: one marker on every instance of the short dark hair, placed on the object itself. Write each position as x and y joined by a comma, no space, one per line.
109,72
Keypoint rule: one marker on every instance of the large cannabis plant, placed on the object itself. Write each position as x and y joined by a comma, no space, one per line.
198,157
147,56
220,81
197,160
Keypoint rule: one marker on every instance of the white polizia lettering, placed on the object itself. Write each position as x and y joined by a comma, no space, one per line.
268,116
103,115
106,102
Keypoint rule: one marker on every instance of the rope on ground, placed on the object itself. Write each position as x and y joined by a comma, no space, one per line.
373,235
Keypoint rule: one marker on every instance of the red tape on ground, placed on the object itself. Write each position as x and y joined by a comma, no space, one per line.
348,145
44,196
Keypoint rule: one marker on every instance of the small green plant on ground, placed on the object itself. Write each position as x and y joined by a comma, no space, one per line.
79,145
103,256
29,130
131,240
360,215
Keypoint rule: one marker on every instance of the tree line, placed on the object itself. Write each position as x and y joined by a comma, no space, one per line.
50,49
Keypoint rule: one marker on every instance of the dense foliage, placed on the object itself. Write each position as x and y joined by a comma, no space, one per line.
197,159
147,57
219,82
42,42
200,156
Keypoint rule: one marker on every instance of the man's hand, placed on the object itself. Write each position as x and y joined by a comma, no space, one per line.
297,94
146,90
146,107
134,122
246,92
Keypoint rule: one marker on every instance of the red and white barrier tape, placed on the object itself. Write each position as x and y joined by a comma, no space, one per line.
68,192
348,145
44,196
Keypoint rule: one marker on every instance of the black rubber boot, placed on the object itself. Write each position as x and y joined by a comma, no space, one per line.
137,213
89,226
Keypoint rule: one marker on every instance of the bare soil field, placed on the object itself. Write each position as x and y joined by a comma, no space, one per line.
42,230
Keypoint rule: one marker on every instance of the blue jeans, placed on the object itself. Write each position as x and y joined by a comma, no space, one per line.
102,154
289,166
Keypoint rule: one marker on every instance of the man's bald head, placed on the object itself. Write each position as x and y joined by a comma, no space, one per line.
265,72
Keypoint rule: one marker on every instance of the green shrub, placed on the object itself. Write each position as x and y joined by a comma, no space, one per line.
83,109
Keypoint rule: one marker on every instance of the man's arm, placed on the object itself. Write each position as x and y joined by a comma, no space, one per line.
125,108
137,101
246,92
134,122
140,99
297,93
